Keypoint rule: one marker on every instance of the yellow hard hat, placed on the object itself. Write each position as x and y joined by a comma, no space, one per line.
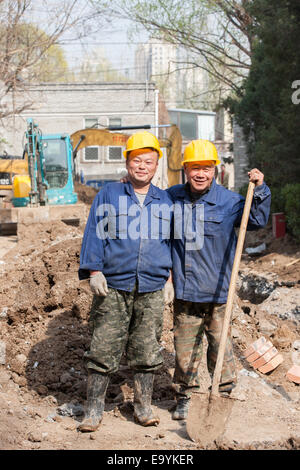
141,140
200,150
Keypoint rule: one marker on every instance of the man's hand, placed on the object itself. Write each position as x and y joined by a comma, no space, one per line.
98,283
168,292
124,179
256,176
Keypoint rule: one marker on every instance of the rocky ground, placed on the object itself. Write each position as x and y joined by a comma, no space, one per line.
44,333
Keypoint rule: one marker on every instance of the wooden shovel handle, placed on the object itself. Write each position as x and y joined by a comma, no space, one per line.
231,291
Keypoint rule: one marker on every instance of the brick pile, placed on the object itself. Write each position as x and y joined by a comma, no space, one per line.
263,356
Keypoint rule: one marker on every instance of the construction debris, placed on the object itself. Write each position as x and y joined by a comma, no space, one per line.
262,355
44,333
293,374
256,250
257,349
292,262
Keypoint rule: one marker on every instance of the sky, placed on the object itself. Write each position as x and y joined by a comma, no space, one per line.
112,38
115,43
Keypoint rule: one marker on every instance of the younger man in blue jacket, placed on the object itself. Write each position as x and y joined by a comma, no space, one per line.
126,253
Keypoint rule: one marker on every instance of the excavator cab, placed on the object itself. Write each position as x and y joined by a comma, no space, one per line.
46,193
56,162
59,169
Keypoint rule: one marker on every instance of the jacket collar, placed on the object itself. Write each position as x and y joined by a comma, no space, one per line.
210,196
153,192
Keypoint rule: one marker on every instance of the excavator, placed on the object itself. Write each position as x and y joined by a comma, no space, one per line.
46,192
10,165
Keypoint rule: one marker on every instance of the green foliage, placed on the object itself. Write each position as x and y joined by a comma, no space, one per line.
3,143
287,200
291,196
243,190
277,201
269,118
33,55
53,67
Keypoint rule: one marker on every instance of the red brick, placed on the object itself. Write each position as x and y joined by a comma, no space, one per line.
254,346
260,351
272,364
253,357
265,358
293,374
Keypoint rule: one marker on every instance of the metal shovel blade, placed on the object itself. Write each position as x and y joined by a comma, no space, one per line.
207,418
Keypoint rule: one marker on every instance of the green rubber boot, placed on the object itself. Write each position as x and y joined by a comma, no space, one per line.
96,391
143,387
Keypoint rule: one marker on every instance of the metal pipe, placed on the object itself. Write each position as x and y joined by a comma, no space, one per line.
156,92
145,126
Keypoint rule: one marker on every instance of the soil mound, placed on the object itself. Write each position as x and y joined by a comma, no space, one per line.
44,332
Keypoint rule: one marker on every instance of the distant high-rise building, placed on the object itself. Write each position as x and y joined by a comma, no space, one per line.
172,68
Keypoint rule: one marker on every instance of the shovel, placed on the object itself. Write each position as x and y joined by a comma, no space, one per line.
208,414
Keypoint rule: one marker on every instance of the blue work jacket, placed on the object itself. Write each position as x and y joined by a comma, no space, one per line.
204,242
127,242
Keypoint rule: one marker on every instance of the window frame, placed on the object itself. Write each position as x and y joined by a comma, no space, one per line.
94,160
96,119
114,160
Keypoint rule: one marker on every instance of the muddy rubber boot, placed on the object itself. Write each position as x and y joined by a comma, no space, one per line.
143,387
96,391
225,389
182,408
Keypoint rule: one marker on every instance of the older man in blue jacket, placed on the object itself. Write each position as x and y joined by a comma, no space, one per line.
126,254
206,215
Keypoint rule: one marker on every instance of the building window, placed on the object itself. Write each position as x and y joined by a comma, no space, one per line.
188,125
91,154
114,153
114,121
91,122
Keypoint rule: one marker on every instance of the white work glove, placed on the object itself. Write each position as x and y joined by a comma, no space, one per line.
169,292
98,284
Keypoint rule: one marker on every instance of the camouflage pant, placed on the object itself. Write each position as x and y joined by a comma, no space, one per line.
126,322
191,321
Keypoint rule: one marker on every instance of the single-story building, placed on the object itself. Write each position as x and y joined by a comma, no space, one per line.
67,108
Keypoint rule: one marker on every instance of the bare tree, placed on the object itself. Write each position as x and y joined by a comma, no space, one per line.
28,30
217,33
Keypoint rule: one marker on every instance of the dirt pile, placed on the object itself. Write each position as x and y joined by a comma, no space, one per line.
44,332
85,193
46,312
